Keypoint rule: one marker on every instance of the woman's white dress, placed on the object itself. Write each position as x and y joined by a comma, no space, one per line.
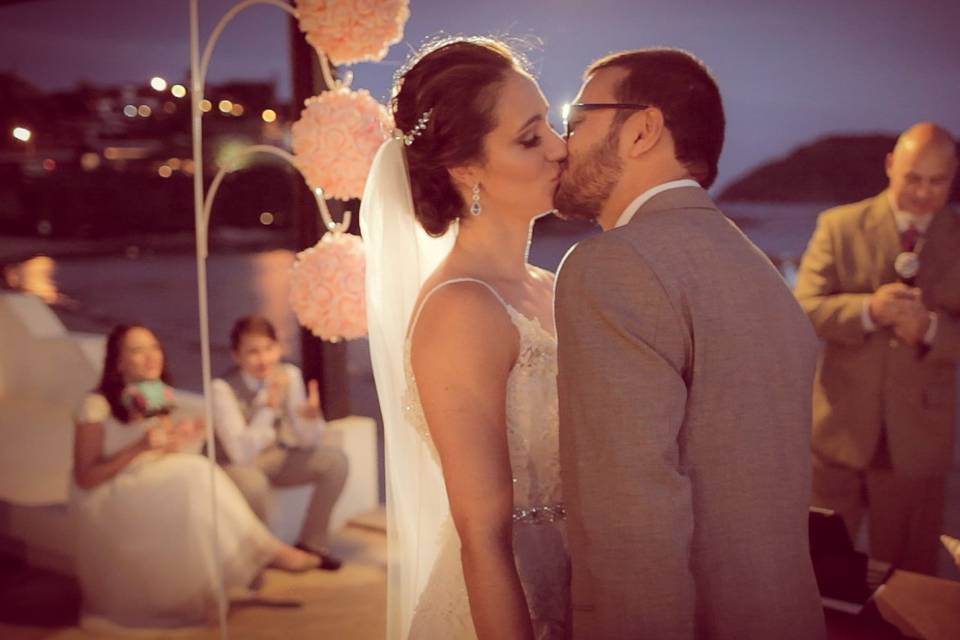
539,534
146,556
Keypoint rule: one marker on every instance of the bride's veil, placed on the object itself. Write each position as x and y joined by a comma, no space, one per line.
399,257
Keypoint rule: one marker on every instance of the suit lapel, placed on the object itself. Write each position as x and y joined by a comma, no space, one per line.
881,229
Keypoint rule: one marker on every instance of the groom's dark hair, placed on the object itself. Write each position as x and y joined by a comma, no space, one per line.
681,86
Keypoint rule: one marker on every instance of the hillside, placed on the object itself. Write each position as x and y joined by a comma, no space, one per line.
840,168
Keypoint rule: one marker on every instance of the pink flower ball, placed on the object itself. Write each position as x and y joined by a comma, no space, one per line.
336,138
349,31
326,288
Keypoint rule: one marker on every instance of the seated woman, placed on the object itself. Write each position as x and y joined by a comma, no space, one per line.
268,432
142,509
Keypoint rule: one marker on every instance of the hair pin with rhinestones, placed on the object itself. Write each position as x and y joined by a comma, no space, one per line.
418,128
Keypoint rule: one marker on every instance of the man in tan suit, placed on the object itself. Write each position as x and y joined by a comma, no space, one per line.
883,398
685,369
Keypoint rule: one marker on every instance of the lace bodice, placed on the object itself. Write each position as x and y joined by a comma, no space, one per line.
531,410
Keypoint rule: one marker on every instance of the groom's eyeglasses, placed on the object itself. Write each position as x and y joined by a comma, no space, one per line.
570,109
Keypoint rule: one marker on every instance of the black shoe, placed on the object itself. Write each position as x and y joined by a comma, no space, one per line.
327,561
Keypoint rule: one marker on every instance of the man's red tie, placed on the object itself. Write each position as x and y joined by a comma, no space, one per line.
909,237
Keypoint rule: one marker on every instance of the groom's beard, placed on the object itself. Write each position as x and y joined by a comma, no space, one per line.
587,183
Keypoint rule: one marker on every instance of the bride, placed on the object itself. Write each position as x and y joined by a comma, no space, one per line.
463,347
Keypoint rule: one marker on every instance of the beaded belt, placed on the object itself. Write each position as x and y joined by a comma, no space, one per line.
540,514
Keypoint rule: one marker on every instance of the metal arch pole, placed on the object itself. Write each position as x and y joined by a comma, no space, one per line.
196,95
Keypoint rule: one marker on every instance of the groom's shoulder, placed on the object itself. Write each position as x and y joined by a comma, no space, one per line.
608,250
596,246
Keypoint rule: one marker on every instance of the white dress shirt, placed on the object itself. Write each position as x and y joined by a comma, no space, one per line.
904,220
642,199
243,440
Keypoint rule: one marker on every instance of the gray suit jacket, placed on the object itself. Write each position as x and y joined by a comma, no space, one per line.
685,374
866,381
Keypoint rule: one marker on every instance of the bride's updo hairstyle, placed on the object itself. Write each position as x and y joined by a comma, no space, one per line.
457,80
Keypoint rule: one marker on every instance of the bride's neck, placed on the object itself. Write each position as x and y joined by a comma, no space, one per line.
495,245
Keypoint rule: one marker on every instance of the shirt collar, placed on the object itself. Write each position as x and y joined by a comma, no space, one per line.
252,383
905,218
644,197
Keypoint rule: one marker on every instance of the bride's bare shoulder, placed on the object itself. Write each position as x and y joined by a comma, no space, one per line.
461,312
460,299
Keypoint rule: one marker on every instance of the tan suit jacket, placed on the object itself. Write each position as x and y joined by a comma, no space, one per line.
869,380
685,372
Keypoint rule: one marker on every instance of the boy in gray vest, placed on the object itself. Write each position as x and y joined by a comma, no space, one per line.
268,428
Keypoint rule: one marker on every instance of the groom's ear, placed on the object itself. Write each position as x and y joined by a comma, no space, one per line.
643,131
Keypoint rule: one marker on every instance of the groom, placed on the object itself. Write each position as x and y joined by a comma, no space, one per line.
685,379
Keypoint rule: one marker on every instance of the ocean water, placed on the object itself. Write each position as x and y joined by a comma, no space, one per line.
91,293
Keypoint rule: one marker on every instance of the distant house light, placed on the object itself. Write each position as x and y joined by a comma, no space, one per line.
237,109
178,90
225,106
266,218
144,111
22,134
125,153
158,83
130,111
268,115
205,105
165,171
90,161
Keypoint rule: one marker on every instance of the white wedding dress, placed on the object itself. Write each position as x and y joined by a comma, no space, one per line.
146,556
539,536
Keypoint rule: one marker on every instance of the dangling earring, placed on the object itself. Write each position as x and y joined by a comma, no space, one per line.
475,208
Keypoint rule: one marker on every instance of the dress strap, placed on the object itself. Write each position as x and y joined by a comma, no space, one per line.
416,316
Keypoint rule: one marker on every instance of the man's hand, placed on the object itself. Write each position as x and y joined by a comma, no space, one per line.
912,323
892,301
276,388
